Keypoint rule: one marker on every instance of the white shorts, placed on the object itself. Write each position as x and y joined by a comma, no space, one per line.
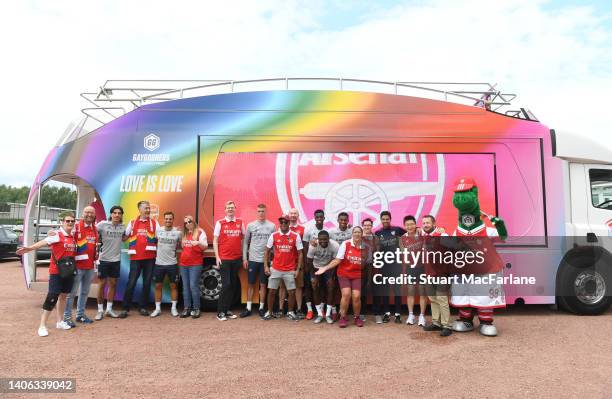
473,295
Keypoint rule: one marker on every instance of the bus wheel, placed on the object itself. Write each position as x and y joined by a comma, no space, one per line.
210,287
585,290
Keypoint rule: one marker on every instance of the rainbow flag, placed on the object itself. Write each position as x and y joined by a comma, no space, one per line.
132,245
151,241
81,250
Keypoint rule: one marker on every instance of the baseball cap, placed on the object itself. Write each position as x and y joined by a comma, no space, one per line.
283,216
464,184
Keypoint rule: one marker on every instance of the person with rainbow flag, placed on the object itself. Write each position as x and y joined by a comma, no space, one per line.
86,237
142,247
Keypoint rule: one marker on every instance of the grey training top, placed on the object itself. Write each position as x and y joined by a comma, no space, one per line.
256,238
311,232
322,256
340,236
167,242
111,237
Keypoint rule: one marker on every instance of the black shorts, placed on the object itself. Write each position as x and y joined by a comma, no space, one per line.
109,269
257,269
59,285
160,272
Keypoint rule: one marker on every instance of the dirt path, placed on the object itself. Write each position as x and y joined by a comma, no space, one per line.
539,353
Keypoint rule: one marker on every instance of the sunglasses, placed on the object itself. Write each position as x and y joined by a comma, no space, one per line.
69,221
188,221
283,221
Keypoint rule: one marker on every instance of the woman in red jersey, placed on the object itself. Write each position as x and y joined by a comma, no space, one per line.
194,243
350,266
62,247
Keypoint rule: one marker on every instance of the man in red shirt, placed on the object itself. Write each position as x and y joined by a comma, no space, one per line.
288,258
142,247
227,243
86,237
301,284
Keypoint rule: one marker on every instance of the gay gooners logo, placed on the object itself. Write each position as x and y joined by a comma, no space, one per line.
361,184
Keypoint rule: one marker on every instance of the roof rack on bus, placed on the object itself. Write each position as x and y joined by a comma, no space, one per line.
118,96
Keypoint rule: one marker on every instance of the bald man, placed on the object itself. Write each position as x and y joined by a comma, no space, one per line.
86,237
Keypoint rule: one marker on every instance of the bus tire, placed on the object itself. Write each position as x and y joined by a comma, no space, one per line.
585,287
210,288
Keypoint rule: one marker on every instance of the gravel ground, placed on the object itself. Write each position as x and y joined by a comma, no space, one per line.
540,352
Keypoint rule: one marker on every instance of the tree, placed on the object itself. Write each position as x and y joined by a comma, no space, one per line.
53,196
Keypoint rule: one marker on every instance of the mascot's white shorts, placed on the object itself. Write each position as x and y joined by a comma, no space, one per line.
484,292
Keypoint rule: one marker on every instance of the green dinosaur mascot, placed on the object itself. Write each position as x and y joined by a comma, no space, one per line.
472,298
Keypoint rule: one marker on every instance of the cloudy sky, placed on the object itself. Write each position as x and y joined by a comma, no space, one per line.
557,55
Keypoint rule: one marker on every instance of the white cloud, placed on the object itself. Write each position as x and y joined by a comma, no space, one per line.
556,59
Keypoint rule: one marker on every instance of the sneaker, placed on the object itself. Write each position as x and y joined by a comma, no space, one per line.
196,314
446,332
262,313
186,313
267,316
62,325
398,319
156,313
432,327
300,315
113,315
362,317
245,313
278,315
421,320
379,319
174,312
143,312
358,322
343,323
221,316
42,331
70,323
99,315
122,315
292,316
329,320
309,315
386,317
410,319
318,319
230,315
84,319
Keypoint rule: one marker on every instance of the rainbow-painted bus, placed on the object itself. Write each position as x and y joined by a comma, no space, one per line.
361,147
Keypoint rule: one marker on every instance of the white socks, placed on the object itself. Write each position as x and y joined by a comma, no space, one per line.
320,309
158,306
261,305
174,303
249,305
100,307
109,306
309,306
330,308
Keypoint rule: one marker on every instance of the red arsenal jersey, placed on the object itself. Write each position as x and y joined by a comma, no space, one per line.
286,247
61,244
230,233
350,255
